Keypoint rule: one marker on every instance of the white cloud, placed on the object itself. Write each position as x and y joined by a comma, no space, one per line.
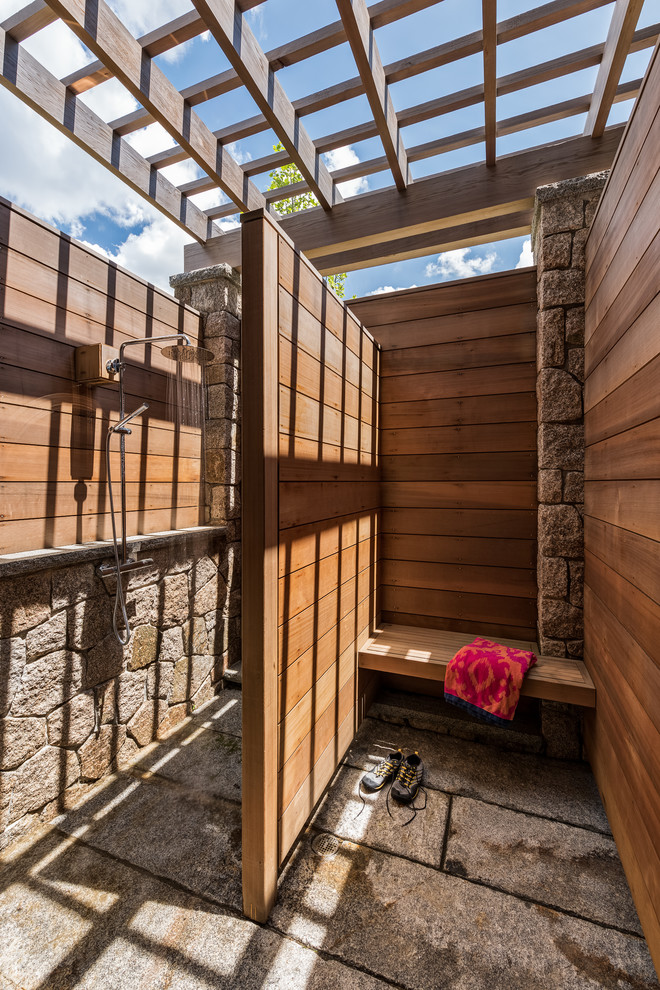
526,257
457,264
342,158
390,288
141,16
154,254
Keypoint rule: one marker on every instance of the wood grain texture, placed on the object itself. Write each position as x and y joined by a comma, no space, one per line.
58,295
622,489
259,342
458,451
424,653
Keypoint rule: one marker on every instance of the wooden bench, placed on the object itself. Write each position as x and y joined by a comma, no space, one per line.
424,653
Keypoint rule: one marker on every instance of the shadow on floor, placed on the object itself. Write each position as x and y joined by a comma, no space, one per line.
508,878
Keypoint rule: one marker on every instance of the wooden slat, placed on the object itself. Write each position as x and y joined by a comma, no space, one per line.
239,45
445,384
260,567
360,34
632,505
458,439
473,579
460,355
105,35
461,550
515,407
423,653
517,465
28,20
508,523
617,46
413,332
489,20
24,76
467,194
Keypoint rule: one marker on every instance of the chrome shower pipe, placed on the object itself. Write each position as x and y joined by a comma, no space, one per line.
114,367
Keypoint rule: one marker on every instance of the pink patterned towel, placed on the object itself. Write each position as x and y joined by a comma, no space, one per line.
485,679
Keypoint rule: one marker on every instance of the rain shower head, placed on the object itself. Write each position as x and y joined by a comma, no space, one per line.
188,354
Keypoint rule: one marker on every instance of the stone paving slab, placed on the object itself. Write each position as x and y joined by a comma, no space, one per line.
222,713
74,918
166,829
198,758
426,930
556,789
573,869
342,813
435,715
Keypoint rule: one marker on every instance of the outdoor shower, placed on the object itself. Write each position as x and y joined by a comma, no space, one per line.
182,351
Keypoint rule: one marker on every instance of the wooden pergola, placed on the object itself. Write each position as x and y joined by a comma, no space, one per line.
471,205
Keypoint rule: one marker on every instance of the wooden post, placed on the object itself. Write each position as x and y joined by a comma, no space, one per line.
259,365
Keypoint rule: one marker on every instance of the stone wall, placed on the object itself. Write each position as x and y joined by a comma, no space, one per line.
72,700
216,293
563,214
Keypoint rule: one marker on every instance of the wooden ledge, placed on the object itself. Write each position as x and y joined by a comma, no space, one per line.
425,653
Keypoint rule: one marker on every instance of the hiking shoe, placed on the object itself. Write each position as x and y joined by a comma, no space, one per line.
408,779
376,779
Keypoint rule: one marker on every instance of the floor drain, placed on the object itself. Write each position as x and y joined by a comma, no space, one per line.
325,845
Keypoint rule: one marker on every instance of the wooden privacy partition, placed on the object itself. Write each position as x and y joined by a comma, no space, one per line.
458,453
310,525
622,510
55,295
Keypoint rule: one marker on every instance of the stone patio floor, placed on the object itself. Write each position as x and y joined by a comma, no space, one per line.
509,878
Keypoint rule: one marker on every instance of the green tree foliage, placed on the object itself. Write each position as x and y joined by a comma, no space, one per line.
285,176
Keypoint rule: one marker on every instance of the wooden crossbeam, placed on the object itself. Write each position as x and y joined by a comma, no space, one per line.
489,20
24,76
156,42
321,40
27,21
98,27
360,34
617,46
462,197
235,38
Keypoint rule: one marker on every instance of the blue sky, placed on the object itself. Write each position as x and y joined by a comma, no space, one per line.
63,186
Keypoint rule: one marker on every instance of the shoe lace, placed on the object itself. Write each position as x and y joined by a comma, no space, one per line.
384,768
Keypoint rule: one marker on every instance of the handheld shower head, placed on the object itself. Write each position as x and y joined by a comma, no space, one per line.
121,427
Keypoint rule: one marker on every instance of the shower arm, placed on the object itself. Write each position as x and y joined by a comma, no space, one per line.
114,367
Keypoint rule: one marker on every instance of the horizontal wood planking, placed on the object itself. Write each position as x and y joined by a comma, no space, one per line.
458,449
470,578
475,627
493,495
622,501
498,322
479,523
462,296
58,295
631,353
484,608
462,550
329,505
517,407
480,438
57,531
460,355
456,384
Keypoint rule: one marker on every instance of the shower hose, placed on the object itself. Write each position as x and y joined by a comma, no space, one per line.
120,602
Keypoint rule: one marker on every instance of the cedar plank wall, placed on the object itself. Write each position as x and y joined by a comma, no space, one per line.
458,453
328,524
622,495
55,295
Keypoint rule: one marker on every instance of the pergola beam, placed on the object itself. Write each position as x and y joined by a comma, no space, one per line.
27,21
24,76
234,36
99,28
617,46
489,20
464,196
360,34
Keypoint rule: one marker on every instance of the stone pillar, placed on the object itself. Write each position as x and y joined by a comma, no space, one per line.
562,216
216,293
563,213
